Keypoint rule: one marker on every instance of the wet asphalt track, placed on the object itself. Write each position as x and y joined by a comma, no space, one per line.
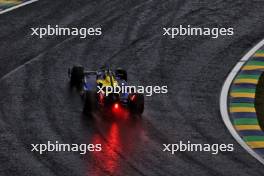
36,104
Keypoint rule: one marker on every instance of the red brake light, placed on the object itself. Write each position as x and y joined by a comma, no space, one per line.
116,106
133,97
101,98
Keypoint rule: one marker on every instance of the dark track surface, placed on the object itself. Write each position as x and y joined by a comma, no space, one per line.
36,104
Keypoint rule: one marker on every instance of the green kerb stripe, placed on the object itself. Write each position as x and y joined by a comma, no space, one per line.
242,105
6,5
248,77
245,121
257,63
243,90
253,138
260,52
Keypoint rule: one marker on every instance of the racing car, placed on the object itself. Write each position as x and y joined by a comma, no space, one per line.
92,86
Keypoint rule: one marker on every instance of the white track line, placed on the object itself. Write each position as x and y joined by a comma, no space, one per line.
224,101
17,6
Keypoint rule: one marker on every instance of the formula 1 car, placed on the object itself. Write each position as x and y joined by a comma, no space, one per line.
92,86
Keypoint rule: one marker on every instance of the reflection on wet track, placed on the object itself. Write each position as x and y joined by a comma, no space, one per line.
121,134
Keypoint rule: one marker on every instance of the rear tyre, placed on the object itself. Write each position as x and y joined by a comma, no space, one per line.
76,76
121,73
136,104
90,102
